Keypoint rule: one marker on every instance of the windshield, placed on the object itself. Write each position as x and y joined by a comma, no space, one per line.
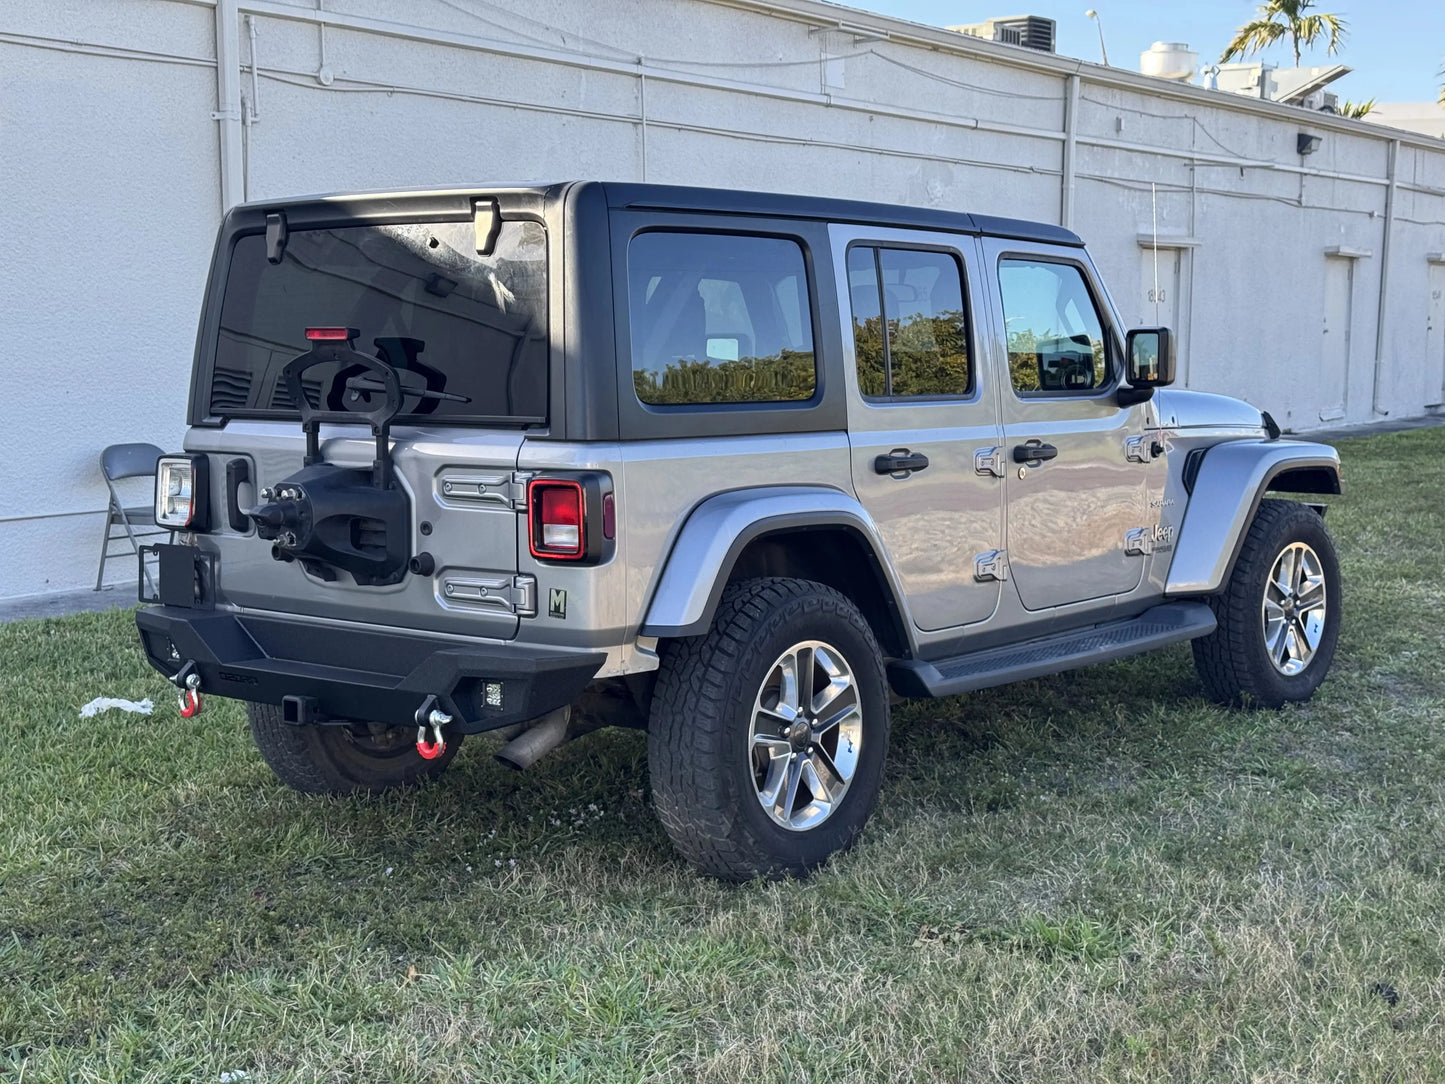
467,333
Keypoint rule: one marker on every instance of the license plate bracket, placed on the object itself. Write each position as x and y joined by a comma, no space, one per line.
172,575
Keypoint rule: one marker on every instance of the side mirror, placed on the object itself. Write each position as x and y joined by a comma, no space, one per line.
1149,353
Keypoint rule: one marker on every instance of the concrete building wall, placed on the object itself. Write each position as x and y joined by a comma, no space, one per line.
114,171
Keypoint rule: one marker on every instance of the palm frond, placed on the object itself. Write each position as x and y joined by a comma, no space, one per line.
1313,27
1356,110
1251,38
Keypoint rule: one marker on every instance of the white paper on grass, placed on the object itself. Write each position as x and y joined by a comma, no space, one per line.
105,703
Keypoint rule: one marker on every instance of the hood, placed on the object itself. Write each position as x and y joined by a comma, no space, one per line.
1180,409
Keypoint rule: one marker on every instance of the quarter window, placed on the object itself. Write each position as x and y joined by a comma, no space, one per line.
719,318
1055,337
910,332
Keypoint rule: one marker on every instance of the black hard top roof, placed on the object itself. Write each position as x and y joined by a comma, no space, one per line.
730,201
386,205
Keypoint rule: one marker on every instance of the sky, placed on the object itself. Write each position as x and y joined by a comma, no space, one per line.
1396,47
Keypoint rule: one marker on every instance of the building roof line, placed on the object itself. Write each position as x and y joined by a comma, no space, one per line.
824,14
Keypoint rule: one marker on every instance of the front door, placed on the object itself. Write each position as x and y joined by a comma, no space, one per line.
1079,522
923,417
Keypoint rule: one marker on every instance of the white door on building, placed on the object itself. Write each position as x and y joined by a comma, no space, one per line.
1335,347
1435,337
1159,303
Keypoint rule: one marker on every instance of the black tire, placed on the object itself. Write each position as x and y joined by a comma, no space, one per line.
344,758
699,744
1233,661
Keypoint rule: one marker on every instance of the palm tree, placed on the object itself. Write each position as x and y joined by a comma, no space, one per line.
1357,110
1285,18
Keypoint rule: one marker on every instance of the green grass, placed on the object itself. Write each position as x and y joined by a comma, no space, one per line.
1093,876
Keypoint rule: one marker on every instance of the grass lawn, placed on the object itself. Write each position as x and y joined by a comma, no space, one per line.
1098,875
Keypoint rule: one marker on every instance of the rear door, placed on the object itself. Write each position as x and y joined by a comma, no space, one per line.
922,417
466,332
1078,505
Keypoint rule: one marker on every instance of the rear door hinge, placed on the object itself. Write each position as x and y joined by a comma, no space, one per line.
507,490
988,461
992,565
509,594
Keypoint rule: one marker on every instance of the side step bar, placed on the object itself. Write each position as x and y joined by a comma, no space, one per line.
1170,623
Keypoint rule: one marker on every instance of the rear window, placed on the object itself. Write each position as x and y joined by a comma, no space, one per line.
469,331
719,318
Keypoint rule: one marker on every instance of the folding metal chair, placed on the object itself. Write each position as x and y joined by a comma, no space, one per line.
127,461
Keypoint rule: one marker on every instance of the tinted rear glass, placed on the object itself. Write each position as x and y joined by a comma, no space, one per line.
470,329
719,318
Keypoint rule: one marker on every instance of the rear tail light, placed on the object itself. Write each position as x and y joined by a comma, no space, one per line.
571,518
182,490
558,519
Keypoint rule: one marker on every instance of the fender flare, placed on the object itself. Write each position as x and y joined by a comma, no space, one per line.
701,560
1231,481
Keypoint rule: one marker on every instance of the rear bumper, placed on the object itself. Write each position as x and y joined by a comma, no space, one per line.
342,672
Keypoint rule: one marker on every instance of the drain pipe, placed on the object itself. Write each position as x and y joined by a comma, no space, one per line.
228,101
1384,306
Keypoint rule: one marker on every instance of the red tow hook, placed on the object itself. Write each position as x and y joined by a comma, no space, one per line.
430,718
189,682
190,702
429,750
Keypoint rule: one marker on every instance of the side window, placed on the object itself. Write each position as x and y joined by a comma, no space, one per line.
1055,336
719,318
910,331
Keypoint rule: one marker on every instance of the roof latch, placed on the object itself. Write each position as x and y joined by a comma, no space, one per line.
276,234
487,221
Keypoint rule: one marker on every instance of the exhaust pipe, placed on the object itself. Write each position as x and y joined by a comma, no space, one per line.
537,740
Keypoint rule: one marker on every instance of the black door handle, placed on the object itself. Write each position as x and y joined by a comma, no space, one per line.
238,471
900,461
1032,453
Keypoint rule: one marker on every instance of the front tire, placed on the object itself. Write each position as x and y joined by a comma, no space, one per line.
343,758
767,736
1279,614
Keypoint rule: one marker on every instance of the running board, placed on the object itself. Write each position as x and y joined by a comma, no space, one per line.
1170,623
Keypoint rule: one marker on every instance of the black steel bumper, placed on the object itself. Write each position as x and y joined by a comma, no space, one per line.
323,672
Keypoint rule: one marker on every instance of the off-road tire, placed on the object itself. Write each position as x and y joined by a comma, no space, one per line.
343,758
698,730
1232,661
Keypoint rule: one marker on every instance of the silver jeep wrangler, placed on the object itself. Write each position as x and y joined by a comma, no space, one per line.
738,469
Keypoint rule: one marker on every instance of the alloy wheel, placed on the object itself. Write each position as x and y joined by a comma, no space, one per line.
806,733
1294,608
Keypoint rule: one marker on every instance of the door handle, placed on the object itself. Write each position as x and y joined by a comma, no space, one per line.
900,461
1033,452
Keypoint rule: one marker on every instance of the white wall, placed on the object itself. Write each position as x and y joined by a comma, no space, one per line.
111,182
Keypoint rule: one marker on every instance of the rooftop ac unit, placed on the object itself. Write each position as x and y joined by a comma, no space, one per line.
1029,31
